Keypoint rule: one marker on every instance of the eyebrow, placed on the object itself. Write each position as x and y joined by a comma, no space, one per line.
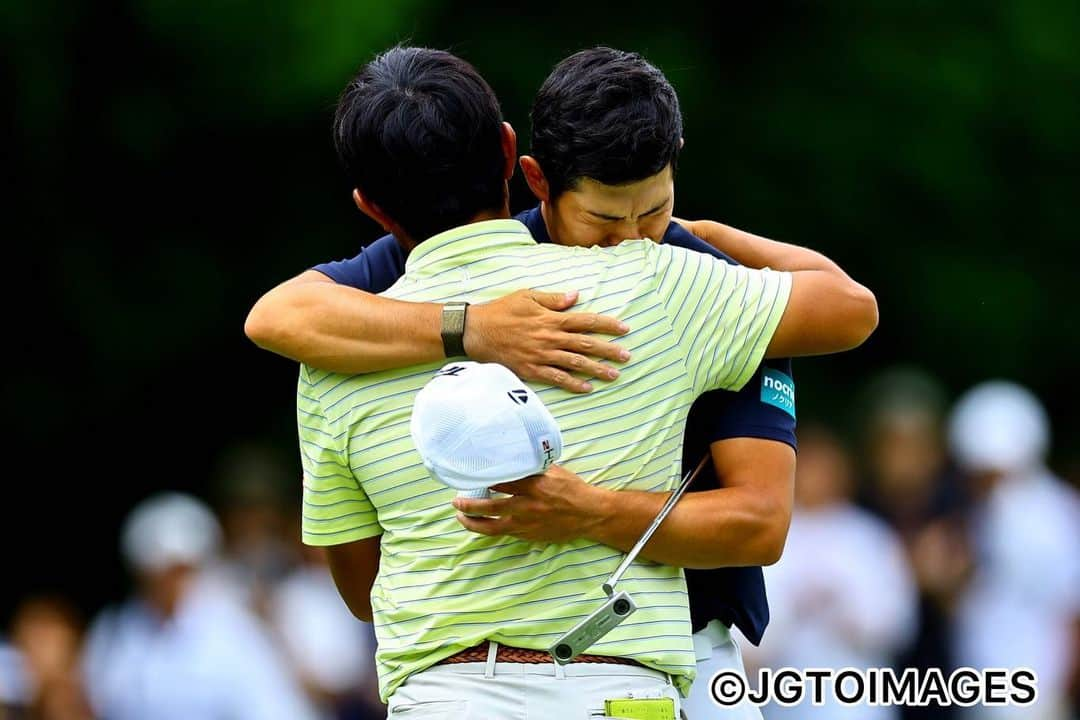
656,209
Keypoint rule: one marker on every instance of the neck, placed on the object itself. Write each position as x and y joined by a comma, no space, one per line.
547,213
502,213
407,243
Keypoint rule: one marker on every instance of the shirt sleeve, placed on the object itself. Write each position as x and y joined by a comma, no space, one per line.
336,509
376,268
723,316
763,409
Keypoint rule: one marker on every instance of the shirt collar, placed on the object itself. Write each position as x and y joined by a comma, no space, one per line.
534,220
487,235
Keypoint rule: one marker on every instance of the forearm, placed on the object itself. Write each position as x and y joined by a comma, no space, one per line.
714,528
339,328
342,329
357,600
835,312
745,522
759,252
354,566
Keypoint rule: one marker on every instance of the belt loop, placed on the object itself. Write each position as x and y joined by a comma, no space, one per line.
560,671
493,651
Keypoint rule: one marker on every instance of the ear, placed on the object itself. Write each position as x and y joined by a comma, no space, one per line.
373,211
509,146
682,142
534,176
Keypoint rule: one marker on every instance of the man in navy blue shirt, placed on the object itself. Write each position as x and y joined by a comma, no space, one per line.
601,177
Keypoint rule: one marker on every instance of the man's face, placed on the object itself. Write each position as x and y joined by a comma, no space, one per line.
596,214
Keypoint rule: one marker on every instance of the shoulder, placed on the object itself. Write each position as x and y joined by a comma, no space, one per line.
678,236
114,628
374,269
534,220
1058,500
676,265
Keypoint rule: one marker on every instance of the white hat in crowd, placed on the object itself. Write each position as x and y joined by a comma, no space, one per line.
170,529
999,426
476,425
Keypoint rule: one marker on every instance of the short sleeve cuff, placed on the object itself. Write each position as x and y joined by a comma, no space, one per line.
320,537
777,284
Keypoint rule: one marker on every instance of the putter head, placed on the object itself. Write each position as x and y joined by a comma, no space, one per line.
587,632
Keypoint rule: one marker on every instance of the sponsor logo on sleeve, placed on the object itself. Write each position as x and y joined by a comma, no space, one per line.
778,390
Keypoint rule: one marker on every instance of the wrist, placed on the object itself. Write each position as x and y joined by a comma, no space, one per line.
598,510
473,336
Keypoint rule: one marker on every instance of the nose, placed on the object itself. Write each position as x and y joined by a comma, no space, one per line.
627,231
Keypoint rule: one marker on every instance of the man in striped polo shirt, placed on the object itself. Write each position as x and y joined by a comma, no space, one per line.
420,170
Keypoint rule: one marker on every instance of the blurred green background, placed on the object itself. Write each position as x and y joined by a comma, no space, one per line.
168,162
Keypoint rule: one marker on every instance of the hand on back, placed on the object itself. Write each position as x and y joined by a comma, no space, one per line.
528,332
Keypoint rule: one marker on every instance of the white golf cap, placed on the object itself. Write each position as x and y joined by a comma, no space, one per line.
999,425
170,529
476,425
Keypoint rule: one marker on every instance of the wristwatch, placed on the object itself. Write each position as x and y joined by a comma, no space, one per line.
453,328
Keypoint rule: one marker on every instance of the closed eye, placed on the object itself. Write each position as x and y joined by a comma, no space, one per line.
616,218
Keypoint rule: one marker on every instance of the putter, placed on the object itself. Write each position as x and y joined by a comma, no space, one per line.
619,605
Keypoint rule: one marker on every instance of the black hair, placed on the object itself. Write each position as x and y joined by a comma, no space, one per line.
607,115
418,132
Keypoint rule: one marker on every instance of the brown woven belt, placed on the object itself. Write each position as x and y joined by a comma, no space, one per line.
505,653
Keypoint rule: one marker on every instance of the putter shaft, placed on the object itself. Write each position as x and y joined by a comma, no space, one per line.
609,586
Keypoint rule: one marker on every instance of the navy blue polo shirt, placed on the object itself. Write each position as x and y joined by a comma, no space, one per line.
764,408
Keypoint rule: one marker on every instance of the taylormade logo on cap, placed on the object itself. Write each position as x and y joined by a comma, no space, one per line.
470,437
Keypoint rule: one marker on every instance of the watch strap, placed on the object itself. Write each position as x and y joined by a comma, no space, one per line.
453,328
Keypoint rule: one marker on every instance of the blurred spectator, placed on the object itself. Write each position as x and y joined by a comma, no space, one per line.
332,652
1023,602
908,483
841,595
14,687
46,635
182,647
259,526
904,450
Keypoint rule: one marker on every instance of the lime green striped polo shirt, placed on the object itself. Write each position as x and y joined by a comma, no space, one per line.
696,324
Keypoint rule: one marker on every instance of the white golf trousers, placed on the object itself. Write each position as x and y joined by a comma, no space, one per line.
716,650
522,691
